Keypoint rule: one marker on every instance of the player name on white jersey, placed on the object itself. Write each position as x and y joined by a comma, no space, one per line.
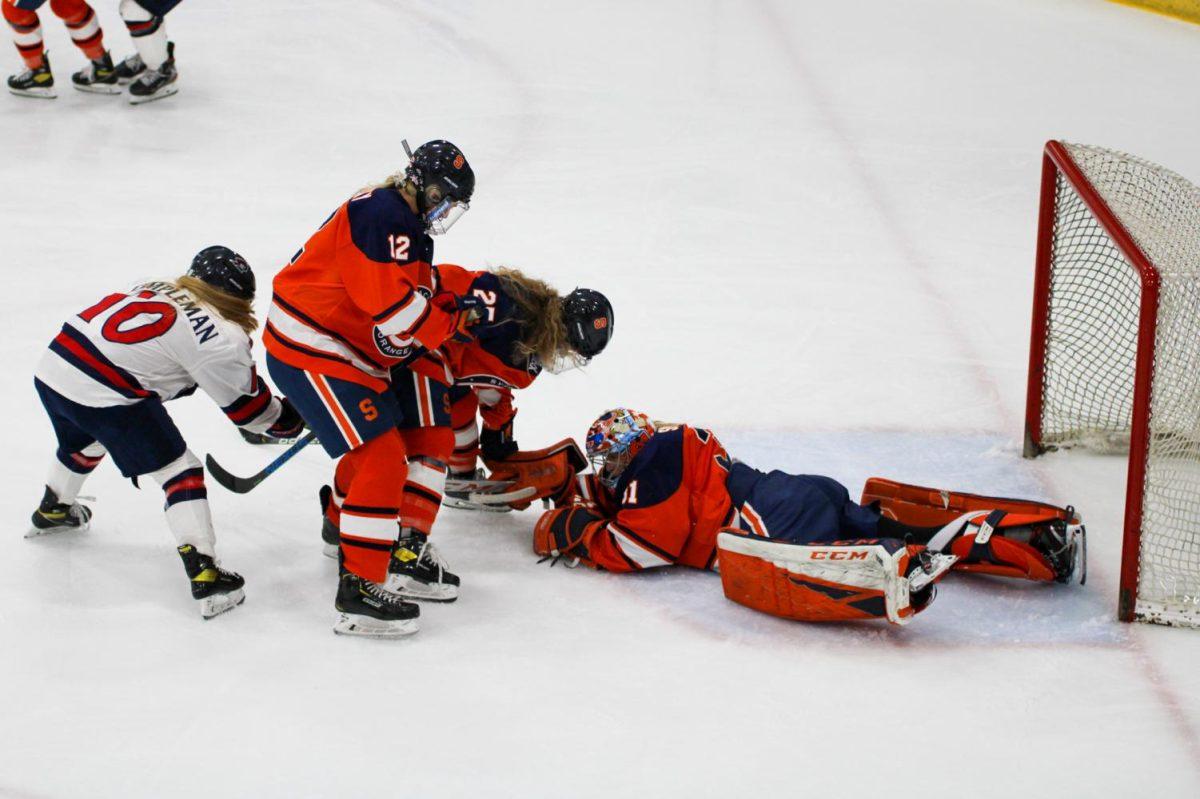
157,340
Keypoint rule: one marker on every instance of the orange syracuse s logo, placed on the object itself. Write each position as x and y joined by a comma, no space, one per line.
459,161
600,323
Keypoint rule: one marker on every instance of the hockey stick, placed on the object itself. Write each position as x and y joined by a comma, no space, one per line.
241,485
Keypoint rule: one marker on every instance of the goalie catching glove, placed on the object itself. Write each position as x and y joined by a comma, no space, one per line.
842,581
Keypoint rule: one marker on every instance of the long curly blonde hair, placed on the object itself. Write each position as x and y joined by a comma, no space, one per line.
539,313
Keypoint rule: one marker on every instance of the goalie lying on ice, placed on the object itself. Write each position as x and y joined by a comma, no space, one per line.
792,545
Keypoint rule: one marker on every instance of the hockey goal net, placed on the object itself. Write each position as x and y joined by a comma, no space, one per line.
1115,356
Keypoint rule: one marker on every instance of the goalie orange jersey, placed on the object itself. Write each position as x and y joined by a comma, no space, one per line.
359,297
667,506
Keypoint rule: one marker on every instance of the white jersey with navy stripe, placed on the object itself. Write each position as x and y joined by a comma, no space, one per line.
157,340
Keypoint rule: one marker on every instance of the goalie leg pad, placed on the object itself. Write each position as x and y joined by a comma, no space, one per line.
1035,546
841,581
933,507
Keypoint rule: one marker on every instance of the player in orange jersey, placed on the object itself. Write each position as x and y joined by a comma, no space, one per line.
37,80
524,326
793,545
356,303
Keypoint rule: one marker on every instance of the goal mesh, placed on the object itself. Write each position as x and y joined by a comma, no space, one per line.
1091,350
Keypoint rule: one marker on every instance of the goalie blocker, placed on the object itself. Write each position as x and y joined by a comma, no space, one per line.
547,473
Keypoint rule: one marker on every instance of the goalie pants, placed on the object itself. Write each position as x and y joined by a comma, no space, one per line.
143,440
801,508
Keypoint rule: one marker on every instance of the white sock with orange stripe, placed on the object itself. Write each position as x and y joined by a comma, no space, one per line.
188,514
423,493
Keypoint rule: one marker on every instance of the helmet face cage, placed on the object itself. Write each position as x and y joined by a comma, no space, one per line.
444,182
614,439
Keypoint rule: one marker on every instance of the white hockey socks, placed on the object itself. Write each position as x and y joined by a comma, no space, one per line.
70,469
187,510
149,33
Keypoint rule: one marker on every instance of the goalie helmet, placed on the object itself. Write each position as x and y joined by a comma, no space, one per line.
614,440
588,316
444,182
222,268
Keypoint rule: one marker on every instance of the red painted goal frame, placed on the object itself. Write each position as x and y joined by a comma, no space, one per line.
1055,161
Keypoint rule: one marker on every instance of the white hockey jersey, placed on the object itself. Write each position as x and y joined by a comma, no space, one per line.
157,341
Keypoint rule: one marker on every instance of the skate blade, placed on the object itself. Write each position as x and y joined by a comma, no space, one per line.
41,94
422,592
367,627
330,551
37,532
466,504
99,88
220,603
166,91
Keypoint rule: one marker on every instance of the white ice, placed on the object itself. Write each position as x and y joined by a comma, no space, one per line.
816,221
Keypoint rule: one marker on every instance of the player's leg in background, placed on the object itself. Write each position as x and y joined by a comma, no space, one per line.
358,426
464,412
417,571
77,455
151,72
37,79
99,76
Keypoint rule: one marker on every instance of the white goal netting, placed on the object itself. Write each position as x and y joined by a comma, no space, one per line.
1091,348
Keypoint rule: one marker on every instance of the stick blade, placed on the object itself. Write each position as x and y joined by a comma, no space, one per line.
238,485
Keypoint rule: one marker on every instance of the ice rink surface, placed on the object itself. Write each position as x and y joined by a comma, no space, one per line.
816,222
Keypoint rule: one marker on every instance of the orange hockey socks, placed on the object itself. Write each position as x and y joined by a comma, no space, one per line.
368,523
82,25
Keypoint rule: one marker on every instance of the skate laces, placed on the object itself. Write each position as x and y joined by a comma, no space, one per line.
428,553
377,591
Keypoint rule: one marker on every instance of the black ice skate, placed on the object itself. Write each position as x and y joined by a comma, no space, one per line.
329,532
53,516
367,609
128,70
216,589
155,84
98,77
34,82
416,571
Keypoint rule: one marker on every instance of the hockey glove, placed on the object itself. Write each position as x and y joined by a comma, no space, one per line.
466,311
561,532
289,424
497,445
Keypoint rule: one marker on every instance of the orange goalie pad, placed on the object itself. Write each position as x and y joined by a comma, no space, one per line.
550,471
932,507
841,581
763,586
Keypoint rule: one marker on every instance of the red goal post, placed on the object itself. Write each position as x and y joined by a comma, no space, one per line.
1115,355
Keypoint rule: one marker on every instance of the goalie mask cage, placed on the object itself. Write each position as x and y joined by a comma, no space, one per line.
1115,355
